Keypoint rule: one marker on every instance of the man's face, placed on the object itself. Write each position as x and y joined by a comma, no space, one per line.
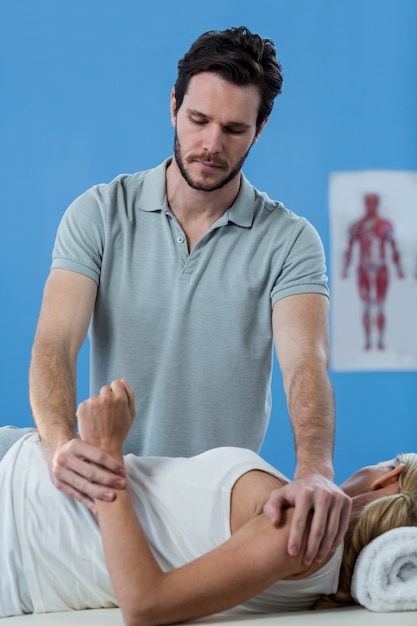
215,128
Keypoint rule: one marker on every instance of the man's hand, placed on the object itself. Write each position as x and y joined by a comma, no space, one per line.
92,467
320,506
84,472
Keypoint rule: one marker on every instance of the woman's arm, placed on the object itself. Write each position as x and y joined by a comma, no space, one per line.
250,561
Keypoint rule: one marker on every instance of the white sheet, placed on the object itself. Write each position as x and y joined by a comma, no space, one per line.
351,616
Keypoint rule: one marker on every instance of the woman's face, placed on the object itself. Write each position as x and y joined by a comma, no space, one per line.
373,477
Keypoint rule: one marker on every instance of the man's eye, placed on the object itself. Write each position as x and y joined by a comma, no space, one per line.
235,131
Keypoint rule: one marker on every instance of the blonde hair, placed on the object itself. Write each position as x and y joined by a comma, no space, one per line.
375,519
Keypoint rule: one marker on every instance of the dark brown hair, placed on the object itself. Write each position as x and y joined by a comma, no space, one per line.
238,56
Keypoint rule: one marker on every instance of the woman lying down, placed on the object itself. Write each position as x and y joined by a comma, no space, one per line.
186,538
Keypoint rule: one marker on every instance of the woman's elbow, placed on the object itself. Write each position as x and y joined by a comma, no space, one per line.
139,611
134,616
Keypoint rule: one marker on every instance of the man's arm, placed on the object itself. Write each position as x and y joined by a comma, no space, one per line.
66,310
301,336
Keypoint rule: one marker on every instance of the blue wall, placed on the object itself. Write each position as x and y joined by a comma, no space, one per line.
84,96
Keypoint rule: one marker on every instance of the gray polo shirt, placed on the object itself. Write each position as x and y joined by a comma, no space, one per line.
191,332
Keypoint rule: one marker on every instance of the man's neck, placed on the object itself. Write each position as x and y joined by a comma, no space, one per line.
195,210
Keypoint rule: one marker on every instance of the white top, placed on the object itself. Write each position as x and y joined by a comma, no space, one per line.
55,561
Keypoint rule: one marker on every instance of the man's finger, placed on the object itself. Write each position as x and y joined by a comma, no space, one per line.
87,473
81,489
337,524
329,523
321,534
73,493
303,503
279,499
76,450
272,509
85,476
343,523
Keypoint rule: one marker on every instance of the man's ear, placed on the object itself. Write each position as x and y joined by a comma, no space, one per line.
388,479
173,107
261,127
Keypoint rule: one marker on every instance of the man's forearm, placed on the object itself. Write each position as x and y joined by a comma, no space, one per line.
52,391
312,413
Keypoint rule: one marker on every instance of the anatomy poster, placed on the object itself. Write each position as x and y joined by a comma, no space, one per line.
373,218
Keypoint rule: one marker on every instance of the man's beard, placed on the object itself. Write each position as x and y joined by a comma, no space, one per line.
207,158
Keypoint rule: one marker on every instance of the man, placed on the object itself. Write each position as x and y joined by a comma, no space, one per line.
188,275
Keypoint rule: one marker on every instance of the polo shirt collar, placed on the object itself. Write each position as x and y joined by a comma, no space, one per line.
154,196
241,211
154,188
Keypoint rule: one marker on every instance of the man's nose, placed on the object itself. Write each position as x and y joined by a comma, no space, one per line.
213,139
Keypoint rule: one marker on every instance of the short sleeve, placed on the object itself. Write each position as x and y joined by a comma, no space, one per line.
304,267
80,237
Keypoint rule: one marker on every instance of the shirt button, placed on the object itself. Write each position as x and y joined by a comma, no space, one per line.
180,239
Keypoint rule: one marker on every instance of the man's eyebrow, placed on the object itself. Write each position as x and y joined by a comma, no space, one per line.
234,123
196,112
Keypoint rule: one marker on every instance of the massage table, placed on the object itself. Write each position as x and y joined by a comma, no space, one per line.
348,616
